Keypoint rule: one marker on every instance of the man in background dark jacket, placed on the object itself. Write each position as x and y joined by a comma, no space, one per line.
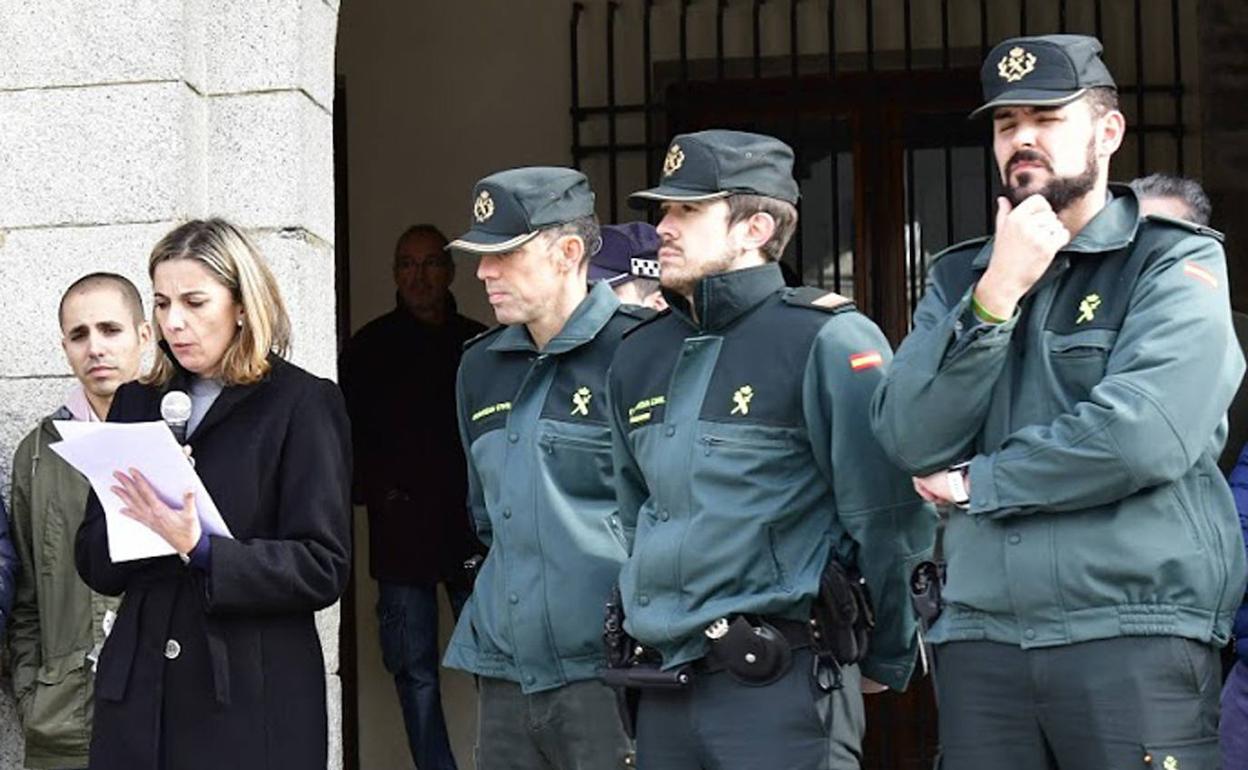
398,374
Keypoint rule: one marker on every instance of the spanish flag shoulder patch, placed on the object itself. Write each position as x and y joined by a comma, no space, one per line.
867,359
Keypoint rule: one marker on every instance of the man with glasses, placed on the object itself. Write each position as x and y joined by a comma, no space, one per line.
398,375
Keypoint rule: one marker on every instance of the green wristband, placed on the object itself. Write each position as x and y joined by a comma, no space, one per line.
982,313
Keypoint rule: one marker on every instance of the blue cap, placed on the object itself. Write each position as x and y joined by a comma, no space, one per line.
628,251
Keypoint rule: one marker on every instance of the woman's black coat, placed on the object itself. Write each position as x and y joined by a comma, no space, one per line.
246,688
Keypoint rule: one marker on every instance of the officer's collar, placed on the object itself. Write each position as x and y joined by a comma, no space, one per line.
1112,228
582,326
723,298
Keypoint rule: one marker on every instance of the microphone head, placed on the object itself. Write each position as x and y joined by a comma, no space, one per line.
175,407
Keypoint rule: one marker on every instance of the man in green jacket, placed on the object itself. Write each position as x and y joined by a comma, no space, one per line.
532,415
744,463
1064,394
58,624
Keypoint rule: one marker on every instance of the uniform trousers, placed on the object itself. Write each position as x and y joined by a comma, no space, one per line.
718,723
574,727
1111,704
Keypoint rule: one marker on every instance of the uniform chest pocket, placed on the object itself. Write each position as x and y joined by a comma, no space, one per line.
580,460
1078,360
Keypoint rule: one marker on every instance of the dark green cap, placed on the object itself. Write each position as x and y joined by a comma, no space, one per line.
511,207
1044,71
716,163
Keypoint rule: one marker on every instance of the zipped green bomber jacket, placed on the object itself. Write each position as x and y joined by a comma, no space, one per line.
1093,420
535,432
57,620
744,459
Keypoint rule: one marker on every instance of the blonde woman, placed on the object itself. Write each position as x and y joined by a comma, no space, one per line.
214,660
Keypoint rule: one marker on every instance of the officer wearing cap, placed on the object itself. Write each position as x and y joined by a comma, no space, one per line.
628,261
1064,392
532,415
745,462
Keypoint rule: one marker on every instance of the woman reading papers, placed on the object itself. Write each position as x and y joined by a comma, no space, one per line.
214,659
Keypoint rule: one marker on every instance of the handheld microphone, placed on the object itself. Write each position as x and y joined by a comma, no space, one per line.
175,410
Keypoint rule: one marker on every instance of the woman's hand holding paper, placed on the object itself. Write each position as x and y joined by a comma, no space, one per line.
179,527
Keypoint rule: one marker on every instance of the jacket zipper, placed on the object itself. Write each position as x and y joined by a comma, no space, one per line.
550,440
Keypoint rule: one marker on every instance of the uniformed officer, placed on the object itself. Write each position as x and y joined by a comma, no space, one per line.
745,461
532,414
1065,386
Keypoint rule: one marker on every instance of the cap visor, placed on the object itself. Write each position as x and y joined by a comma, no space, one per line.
480,242
665,193
1029,97
597,273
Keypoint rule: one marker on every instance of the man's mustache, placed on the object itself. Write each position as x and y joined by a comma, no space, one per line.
1027,156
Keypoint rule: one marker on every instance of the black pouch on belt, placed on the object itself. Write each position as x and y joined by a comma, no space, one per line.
753,652
843,615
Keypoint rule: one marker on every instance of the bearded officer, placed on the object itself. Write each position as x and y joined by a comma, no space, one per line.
1065,387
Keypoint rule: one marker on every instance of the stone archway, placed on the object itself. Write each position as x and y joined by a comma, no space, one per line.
119,121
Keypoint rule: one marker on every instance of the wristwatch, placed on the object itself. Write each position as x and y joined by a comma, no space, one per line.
956,477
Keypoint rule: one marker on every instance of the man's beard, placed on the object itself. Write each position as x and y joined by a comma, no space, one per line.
682,280
1061,191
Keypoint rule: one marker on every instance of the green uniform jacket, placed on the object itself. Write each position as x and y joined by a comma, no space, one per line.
534,427
744,456
57,621
1093,421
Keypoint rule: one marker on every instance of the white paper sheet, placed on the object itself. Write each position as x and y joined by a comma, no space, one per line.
96,450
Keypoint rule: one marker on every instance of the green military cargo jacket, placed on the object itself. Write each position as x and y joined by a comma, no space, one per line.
744,458
1093,420
535,432
57,620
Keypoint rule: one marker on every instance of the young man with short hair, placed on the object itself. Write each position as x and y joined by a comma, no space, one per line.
747,472
58,624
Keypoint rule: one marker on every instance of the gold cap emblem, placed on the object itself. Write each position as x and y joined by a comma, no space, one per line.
483,206
674,160
1016,65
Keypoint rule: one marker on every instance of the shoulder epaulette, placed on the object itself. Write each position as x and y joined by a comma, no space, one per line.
487,333
640,312
960,246
647,321
818,299
1186,225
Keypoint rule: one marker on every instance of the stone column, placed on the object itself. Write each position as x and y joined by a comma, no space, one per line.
1224,140
119,121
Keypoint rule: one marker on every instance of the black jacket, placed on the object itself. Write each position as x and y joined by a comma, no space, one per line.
246,687
398,375
8,569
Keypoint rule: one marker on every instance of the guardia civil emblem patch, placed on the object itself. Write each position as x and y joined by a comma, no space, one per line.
1016,65
580,401
483,206
1087,308
742,399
